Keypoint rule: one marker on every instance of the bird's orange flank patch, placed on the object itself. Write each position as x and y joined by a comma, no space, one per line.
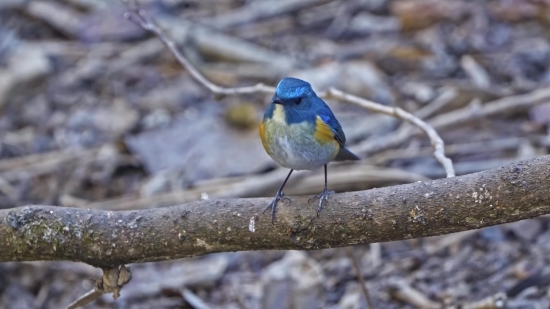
262,136
323,132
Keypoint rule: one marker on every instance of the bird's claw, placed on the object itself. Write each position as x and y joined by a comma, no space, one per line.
278,197
322,197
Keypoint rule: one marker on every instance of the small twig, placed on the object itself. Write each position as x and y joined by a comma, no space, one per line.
477,73
140,18
458,116
497,301
446,241
193,299
360,277
85,299
401,290
343,177
14,169
436,141
259,11
375,254
447,96
484,146
112,281
505,104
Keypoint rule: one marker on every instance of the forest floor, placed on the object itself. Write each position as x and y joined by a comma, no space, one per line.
96,113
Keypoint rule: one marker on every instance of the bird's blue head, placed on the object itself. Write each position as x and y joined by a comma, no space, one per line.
294,102
294,94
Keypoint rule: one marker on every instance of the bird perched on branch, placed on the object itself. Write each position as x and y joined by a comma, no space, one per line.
300,132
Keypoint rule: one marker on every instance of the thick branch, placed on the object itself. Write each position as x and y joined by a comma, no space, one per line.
106,238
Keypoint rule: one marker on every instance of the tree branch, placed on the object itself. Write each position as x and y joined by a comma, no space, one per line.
112,281
357,269
107,239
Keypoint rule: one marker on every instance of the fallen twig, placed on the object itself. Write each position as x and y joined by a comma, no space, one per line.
343,178
456,117
111,282
497,301
357,269
507,104
259,11
402,291
193,299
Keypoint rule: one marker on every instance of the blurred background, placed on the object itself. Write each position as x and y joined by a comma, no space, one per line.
96,113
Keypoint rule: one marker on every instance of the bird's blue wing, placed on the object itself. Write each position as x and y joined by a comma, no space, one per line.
328,117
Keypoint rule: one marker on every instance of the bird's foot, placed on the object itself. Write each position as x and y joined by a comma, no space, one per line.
278,197
322,197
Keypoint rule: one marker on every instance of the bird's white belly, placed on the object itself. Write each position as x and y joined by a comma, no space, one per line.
302,153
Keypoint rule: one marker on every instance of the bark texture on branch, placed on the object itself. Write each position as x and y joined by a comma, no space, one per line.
109,238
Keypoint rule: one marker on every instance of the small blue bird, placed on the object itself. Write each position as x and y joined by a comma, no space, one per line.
300,132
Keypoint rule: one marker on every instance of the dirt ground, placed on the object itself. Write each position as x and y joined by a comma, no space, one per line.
96,113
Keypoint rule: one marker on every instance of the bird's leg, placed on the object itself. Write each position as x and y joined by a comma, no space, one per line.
279,196
323,196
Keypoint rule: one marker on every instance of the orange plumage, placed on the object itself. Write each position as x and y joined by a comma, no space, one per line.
263,137
323,132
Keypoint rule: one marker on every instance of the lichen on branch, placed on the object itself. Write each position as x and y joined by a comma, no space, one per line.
108,238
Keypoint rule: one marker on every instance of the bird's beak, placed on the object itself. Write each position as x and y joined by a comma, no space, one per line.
276,100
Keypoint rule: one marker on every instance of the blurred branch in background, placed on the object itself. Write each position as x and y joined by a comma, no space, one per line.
459,116
362,283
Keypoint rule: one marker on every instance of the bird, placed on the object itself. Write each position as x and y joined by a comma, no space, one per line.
300,132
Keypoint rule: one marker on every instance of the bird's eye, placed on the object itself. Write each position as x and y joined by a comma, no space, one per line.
298,101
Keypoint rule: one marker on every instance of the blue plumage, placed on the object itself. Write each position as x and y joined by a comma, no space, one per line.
328,117
290,88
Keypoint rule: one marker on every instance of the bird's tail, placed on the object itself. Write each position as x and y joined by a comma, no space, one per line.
344,155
